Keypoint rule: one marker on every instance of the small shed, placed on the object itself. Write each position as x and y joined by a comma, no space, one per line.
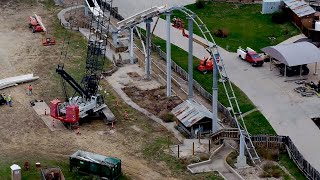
270,6
193,118
300,13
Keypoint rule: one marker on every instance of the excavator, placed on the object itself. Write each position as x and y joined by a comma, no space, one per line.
35,23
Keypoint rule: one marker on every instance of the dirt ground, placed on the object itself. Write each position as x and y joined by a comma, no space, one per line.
155,101
23,135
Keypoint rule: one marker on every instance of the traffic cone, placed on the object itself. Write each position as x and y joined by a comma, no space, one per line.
53,123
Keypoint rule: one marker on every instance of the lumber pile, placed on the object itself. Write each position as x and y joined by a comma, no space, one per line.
12,81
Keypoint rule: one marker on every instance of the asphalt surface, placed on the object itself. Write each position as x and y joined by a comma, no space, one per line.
128,8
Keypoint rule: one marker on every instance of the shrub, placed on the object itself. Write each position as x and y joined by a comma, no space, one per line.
168,117
280,18
200,4
271,170
221,33
204,156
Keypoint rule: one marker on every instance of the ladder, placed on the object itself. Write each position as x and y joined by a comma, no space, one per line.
233,102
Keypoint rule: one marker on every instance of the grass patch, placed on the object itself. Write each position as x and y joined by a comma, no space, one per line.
257,124
244,22
291,167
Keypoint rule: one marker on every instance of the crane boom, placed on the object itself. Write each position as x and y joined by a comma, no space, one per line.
72,82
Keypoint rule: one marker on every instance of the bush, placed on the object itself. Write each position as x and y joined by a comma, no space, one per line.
221,33
168,117
200,4
271,170
280,18
204,156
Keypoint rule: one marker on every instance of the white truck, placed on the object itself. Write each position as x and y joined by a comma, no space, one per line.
250,56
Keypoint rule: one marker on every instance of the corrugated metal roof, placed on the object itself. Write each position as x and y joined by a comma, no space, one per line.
190,112
300,8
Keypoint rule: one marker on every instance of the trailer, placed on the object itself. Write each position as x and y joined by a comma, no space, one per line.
95,164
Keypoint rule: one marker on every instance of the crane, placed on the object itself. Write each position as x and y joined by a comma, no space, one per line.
88,102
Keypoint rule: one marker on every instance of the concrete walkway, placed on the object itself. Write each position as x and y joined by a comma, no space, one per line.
216,163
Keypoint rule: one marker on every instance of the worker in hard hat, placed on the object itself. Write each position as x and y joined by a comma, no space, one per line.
29,90
9,100
5,98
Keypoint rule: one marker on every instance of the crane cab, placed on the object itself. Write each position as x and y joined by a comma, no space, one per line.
63,112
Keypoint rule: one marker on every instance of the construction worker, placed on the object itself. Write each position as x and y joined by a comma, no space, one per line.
5,98
9,100
29,90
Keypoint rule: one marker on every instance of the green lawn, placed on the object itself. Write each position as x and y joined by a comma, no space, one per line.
291,167
244,22
257,124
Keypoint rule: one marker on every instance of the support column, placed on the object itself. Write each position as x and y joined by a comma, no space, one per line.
115,39
148,44
168,54
131,45
190,58
241,160
215,72
86,13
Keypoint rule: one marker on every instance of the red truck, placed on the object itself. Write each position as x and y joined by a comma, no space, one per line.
250,56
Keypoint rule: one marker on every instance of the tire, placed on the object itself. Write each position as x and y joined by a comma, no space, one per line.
240,57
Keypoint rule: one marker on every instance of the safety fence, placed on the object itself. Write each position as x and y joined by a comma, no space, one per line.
310,172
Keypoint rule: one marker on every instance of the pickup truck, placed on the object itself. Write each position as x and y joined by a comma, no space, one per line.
250,56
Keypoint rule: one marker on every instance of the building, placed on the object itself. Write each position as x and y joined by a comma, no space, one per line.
193,118
271,6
